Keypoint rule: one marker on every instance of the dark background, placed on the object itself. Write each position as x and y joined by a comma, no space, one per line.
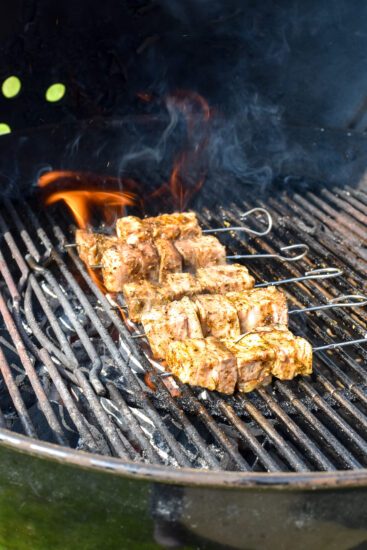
287,79
306,59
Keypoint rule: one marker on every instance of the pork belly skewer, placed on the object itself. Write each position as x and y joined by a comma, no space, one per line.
143,296
244,364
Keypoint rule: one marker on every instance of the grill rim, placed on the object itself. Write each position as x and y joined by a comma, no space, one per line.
296,481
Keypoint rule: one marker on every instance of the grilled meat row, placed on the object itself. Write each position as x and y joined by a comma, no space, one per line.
224,317
224,365
150,259
143,296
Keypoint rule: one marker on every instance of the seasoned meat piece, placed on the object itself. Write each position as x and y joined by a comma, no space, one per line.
175,321
254,361
224,278
260,307
143,296
92,245
124,263
203,362
202,251
269,351
132,229
174,226
293,353
217,316
169,259
182,284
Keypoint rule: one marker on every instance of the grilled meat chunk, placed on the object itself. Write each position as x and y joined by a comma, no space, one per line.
125,263
143,296
269,351
293,353
217,316
174,226
182,284
224,278
132,229
204,362
169,259
175,321
92,245
259,307
202,251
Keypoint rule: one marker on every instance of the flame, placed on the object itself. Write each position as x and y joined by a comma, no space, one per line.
81,204
189,170
85,203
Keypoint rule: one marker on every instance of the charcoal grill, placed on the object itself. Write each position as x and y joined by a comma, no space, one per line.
88,385
97,450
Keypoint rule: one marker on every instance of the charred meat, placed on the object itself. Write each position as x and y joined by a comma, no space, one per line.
124,263
132,229
270,351
224,278
142,296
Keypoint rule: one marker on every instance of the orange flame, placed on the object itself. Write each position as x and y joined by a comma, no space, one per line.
81,203
188,173
84,202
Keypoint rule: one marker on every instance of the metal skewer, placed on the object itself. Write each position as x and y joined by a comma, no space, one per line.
315,274
341,344
279,256
244,228
356,300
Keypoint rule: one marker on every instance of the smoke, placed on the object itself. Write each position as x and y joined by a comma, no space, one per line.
255,64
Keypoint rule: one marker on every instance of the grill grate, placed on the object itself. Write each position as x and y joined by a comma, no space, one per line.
84,373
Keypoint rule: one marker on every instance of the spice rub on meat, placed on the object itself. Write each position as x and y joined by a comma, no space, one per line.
217,316
168,226
91,246
224,278
200,252
270,351
170,260
124,263
259,307
175,321
141,296
204,362
259,355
